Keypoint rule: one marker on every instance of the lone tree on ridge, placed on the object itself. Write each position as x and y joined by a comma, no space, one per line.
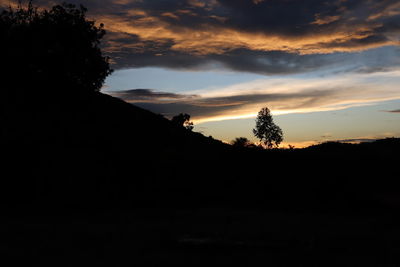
266,130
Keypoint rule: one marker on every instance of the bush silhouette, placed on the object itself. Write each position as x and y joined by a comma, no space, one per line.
183,120
49,53
241,142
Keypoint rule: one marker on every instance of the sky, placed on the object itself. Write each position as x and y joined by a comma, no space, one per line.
328,70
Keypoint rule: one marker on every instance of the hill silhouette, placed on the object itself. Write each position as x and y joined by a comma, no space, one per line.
108,183
108,152
75,149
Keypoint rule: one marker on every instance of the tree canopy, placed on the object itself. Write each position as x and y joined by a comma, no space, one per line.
45,52
266,130
183,120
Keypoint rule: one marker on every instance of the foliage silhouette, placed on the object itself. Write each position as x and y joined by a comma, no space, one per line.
183,120
266,130
50,53
241,142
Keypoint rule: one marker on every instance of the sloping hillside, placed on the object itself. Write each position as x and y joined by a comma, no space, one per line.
96,140
100,180
101,151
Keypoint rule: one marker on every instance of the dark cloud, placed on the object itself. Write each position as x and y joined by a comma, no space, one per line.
358,26
198,107
358,140
394,111
140,95
269,63
357,42
293,18
269,37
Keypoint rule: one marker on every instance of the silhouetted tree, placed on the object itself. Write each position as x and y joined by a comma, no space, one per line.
266,130
183,120
48,53
291,147
241,142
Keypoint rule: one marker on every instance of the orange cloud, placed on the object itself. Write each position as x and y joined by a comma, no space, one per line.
213,33
205,30
215,39
319,20
197,3
388,11
170,15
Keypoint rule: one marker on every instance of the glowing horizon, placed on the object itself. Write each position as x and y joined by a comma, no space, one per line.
281,95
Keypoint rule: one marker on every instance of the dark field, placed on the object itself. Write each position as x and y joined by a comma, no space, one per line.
203,237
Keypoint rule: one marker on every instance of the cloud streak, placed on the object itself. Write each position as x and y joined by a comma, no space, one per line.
151,96
282,96
394,111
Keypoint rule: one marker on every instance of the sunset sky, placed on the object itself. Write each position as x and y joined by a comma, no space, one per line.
328,70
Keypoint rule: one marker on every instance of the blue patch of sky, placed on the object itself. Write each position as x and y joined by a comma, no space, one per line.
175,81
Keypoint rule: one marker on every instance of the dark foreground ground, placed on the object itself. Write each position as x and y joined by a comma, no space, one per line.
105,183
203,237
